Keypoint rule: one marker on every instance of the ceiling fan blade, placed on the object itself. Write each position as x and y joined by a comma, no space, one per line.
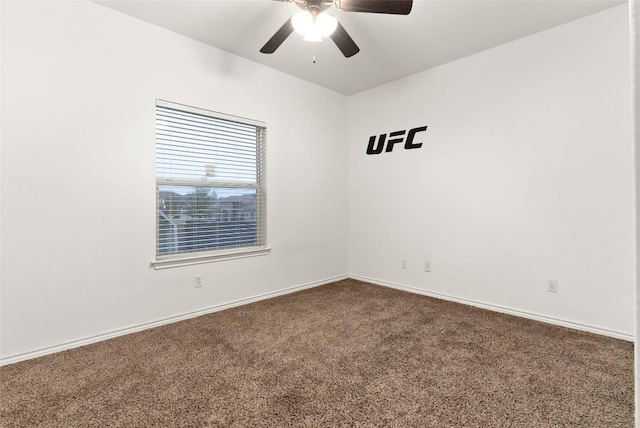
344,42
394,7
276,40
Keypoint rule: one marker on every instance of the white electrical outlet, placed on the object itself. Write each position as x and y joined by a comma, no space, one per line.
427,266
552,285
404,264
197,281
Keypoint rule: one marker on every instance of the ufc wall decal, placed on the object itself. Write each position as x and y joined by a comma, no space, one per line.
394,138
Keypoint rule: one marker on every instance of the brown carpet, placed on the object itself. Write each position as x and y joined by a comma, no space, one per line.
344,354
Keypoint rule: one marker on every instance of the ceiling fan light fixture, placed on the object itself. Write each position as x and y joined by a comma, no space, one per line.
313,36
314,29
327,24
301,22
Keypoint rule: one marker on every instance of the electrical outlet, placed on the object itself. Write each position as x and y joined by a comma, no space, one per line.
197,281
552,285
404,264
427,266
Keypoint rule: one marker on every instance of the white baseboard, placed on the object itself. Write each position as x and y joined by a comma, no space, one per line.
501,309
164,321
157,323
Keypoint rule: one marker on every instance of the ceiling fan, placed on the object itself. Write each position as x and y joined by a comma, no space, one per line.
314,23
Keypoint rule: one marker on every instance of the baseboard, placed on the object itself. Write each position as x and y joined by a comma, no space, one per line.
157,323
501,309
164,321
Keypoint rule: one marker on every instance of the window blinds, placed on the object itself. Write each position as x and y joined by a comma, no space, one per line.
209,181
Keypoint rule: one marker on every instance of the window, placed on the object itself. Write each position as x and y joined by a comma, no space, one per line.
210,185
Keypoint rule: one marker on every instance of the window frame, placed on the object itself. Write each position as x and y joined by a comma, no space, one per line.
161,261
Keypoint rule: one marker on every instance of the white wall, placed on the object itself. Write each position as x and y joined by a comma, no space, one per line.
634,26
526,173
79,83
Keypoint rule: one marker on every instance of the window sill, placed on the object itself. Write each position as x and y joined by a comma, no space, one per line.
209,258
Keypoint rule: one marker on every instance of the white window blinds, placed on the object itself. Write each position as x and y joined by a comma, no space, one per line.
210,184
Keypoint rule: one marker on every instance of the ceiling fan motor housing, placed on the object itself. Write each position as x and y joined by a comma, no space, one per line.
315,7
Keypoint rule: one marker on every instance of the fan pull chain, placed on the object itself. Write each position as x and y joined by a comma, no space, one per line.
314,52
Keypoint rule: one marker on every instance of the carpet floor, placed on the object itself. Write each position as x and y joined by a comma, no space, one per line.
347,354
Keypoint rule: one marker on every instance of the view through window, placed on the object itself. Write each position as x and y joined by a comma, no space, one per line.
209,182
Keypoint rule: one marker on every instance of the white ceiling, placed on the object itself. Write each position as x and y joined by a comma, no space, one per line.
391,46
